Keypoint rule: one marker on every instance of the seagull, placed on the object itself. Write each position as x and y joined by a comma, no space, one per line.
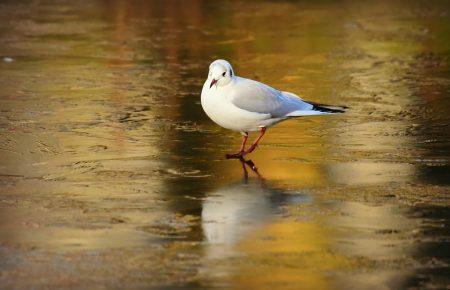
245,105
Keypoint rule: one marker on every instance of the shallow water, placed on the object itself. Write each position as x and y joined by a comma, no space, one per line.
111,175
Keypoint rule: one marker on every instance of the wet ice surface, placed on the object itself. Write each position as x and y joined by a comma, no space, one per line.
111,176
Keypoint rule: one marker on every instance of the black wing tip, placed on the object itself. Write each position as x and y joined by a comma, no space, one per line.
333,109
328,108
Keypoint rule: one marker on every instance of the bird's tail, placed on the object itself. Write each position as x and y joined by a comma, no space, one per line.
307,108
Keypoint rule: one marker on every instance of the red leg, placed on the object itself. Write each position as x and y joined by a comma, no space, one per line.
241,152
255,143
244,141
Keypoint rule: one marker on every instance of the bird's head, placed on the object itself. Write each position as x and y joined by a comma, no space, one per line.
220,73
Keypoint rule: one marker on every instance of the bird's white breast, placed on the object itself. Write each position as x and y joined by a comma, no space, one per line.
217,104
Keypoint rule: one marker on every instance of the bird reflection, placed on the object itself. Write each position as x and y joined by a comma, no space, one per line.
253,168
231,212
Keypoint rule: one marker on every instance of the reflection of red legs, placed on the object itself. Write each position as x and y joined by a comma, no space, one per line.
252,166
244,168
242,152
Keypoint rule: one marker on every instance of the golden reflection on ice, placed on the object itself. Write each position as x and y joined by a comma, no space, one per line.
109,165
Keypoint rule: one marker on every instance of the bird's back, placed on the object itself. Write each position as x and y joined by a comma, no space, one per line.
258,97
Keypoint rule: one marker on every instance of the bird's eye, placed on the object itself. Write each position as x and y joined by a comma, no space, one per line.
224,73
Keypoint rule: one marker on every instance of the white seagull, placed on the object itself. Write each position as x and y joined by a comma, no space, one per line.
246,105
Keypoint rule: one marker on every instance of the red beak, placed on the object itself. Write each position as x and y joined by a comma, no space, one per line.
212,83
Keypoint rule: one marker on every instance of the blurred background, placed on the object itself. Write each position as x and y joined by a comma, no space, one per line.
112,176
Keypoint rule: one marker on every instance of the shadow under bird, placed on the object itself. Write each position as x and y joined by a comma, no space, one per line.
246,105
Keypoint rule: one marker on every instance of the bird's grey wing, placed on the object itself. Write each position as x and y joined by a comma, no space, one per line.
260,98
